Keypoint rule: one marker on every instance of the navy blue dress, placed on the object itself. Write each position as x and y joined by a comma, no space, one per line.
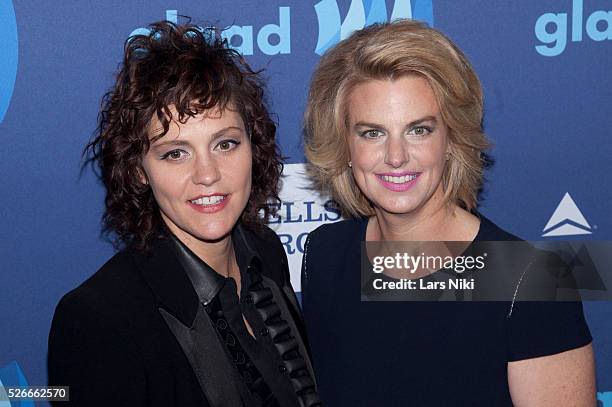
418,353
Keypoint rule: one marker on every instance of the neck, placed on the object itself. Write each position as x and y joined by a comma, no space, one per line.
218,254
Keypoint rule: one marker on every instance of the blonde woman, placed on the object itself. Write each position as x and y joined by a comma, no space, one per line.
393,131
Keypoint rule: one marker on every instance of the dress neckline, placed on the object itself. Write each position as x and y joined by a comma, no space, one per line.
483,228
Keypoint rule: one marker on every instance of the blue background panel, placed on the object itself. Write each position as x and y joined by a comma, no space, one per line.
549,118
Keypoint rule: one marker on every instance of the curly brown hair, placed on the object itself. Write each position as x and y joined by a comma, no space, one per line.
193,70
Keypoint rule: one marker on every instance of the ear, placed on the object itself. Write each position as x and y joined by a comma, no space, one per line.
142,176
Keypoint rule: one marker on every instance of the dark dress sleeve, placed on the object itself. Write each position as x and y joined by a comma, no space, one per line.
87,354
541,328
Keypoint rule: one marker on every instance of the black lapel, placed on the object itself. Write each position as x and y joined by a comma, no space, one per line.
186,318
218,380
206,281
165,276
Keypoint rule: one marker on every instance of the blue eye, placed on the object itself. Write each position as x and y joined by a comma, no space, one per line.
174,155
371,134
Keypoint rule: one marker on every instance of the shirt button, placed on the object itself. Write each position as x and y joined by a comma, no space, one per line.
221,324
230,340
282,368
264,331
240,359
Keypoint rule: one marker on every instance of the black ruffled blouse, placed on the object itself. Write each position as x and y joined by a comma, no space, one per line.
268,363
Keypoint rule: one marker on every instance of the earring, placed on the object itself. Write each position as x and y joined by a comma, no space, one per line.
350,164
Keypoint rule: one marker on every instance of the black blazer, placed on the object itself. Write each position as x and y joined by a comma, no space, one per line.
112,342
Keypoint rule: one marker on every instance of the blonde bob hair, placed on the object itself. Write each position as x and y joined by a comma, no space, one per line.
389,51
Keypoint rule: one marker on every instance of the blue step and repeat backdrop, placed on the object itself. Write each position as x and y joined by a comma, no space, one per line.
545,67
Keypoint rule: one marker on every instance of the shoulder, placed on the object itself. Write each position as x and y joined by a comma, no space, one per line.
489,231
261,236
113,309
270,250
117,272
264,240
337,233
330,244
113,290
95,329
92,312
343,228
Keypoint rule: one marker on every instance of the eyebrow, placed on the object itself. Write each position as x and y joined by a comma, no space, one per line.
215,135
223,131
411,124
171,142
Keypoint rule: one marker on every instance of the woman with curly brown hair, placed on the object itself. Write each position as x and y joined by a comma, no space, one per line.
196,309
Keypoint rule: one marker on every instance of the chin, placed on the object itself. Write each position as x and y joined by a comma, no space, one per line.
214,232
397,208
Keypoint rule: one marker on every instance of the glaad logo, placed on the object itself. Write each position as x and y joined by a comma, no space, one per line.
567,220
171,15
281,34
361,14
8,54
598,28
241,37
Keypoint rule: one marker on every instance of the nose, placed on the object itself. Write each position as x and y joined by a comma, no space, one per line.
396,154
206,171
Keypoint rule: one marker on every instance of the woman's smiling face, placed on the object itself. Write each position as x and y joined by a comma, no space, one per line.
398,143
200,173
